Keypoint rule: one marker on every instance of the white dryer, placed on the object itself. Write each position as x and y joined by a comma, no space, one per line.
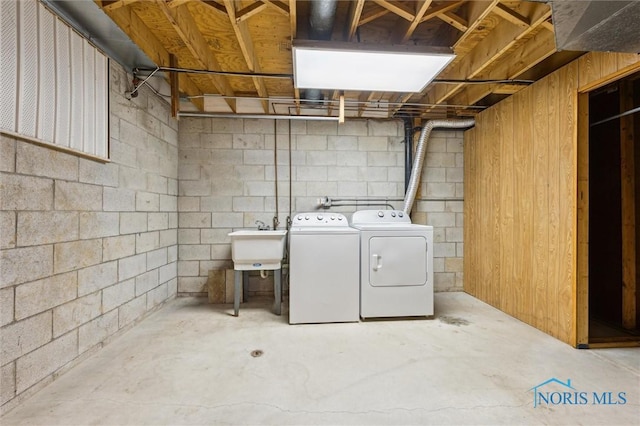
324,269
396,265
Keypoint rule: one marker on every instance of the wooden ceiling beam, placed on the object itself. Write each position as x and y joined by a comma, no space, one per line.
508,89
398,8
141,35
372,15
278,6
404,30
185,26
476,12
368,98
293,19
454,20
247,12
117,4
437,10
176,3
504,36
400,100
215,6
536,50
351,25
334,97
243,36
511,16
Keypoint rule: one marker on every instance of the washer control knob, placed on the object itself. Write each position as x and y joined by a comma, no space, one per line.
400,214
333,218
306,218
299,217
339,217
380,213
319,217
393,214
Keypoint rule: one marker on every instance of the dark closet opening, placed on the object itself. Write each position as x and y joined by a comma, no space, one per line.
614,211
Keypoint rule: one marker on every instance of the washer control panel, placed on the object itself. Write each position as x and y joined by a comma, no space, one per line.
320,219
380,216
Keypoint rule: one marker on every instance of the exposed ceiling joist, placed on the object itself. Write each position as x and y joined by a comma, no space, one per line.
398,8
372,15
476,12
214,5
523,58
118,4
293,19
247,12
504,36
278,6
246,42
353,19
185,26
176,3
511,16
454,20
405,29
437,10
141,35
246,46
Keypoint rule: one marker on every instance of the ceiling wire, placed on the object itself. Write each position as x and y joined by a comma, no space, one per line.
290,76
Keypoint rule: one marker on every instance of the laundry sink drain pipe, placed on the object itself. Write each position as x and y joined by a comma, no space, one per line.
421,151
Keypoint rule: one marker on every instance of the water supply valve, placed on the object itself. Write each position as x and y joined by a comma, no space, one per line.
324,202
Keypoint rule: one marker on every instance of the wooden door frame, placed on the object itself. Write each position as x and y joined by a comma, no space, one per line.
582,282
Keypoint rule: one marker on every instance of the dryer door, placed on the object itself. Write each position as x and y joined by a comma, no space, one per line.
397,261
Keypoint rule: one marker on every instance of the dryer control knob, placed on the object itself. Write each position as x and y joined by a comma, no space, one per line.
319,217
306,218
393,214
333,218
299,217
380,213
339,217
400,214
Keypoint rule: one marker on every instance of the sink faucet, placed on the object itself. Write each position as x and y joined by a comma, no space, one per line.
262,226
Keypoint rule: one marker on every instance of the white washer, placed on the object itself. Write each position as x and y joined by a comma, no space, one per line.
396,265
324,259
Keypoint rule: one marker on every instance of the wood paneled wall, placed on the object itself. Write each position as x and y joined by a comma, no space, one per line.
521,197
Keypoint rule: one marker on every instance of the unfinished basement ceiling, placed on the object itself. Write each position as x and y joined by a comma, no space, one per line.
495,42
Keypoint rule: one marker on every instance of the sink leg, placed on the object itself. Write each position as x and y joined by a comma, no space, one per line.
236,291
245,286
277,284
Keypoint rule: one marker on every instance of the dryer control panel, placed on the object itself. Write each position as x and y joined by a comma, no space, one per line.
320,219
379,216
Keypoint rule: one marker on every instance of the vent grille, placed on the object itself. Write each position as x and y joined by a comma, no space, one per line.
55,83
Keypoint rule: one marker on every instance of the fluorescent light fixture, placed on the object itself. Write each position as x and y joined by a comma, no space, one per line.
358,66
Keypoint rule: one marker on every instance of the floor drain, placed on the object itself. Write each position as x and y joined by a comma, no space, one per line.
256,353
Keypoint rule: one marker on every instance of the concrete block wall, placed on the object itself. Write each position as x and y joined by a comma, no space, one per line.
87,248
227,180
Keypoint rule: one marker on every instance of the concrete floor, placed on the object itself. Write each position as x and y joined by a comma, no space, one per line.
191,363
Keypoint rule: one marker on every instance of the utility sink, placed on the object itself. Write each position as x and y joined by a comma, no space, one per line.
253,249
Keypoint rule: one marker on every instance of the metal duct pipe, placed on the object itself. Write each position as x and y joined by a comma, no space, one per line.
322,16
421,150
408,150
